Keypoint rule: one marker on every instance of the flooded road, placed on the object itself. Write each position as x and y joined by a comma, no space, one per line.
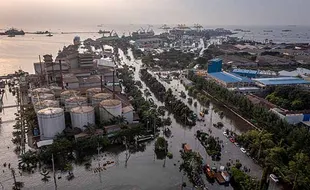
144,170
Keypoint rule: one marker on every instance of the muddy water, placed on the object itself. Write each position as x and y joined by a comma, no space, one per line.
144,170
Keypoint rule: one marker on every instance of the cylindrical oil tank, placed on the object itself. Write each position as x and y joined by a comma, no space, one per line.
92,91
45,104
51,122
41,97
97,98
41,91
75,102
68,94
82,115
56,90
110,108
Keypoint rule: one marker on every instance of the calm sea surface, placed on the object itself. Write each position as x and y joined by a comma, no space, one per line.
23,51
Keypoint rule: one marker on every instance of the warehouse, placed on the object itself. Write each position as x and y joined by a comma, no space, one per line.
280,81
230,80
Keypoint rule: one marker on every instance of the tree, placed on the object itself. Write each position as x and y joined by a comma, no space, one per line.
161,144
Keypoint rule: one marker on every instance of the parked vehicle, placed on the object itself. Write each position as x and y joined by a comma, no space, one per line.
274,178
243,150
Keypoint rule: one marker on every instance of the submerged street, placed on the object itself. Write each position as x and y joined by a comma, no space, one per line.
157,174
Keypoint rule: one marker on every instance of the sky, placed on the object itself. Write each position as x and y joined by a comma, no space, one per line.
204,12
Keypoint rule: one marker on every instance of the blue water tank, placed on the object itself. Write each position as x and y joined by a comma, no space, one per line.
76,40
35,132
215,65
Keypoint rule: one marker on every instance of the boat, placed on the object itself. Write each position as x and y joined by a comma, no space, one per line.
104,32
286,30
268,30
49,35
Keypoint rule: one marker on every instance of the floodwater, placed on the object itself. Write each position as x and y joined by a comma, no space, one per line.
144,170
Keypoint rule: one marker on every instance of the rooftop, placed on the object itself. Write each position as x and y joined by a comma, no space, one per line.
50,111
245,71
127,109
216,59
229,77
82,109
110,102
281,81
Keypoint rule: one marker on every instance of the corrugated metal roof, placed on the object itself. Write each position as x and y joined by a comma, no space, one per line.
229,77
281,81
245,71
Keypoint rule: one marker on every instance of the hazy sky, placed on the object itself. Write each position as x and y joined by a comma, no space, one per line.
205,12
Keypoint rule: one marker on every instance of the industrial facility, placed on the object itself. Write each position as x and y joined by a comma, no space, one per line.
78,89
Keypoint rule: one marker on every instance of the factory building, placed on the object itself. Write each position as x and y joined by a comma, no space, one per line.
280,81
230,80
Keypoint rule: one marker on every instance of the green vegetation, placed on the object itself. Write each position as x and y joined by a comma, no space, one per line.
161,144
182,113
172,59
290,97
191,165
211,144
201,97
280,148
242,181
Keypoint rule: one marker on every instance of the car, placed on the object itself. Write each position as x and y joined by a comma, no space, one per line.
236,144
274,178
225,134
243,150
232,140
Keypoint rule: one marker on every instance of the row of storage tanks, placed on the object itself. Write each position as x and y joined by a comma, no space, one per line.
51,117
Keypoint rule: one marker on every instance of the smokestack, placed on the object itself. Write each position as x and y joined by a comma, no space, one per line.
61,79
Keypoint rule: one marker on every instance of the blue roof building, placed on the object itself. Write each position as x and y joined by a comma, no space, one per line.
281,81
230,80
246,72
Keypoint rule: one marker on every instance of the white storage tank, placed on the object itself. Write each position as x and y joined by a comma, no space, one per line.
110,108
41,91
45,104
51,122
82,115
41,97
97,98
68,94
57,90
92,91
75,102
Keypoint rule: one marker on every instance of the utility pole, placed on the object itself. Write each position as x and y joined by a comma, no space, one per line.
54,176
14,178
101,83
